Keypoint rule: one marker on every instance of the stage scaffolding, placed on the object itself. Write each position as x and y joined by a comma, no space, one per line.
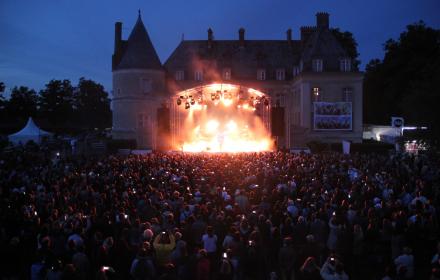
178,113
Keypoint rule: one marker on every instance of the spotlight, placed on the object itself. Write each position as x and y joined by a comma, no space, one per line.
193,101
179,101
187,105
212,96
182,97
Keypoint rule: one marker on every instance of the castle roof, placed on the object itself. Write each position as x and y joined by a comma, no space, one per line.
139,52
241,57
323,44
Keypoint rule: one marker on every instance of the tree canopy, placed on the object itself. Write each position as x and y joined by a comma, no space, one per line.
346,39
60,107
404,83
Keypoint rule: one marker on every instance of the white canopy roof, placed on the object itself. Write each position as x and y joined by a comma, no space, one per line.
30,132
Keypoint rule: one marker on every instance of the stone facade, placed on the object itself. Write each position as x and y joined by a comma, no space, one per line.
294,73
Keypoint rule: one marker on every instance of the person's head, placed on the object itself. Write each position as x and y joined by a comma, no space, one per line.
203,253
287,241
210,230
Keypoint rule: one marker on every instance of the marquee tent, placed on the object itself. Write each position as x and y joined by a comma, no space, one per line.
30,132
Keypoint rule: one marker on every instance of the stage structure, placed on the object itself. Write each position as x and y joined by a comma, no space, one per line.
220,117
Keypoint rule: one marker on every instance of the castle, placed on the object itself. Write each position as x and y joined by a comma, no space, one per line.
315,92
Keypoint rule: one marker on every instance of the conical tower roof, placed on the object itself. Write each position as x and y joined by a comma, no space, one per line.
139,52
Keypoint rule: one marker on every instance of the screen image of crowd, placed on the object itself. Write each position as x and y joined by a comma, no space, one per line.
332,122
272,215
332,108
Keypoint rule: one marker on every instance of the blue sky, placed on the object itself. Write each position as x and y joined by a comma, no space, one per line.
68,39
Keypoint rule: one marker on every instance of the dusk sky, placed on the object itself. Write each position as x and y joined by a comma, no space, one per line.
68,39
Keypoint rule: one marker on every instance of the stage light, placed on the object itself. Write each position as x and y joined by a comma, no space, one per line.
193,101
179,101
212,96
182,97
187,105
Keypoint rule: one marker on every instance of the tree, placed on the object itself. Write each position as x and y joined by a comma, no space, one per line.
348,42
22,104
56,105
2,100
92,105
405,82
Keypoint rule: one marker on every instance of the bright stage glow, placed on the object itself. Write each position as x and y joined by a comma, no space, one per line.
226,121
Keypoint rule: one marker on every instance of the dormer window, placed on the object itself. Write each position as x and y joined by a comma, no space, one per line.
198,75
281,74
345,65
317,65
295,71
180,75
226,74
261,74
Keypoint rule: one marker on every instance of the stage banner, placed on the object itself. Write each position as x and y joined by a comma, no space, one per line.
332,116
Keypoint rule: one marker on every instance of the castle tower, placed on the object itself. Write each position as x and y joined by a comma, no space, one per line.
138,86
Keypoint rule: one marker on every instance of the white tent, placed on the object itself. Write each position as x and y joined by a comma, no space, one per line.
30,132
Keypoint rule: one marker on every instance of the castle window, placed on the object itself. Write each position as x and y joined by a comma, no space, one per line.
198,75
226,74
280,74
143,120
295,71
146,86
347,94
316,94
317,65
261,74
345,65
180,75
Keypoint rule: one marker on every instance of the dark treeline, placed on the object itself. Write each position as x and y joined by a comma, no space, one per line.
60,107
404,83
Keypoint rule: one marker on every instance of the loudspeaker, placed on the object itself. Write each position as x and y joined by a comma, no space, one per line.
277,121
163,120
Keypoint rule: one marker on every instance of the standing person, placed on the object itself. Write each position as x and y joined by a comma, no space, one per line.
310,270
142,267
333,269
287,258
203,267
209,240
163,245
405,264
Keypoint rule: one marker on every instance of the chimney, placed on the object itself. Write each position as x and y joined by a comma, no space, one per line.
210,38
118,37
289,36
306,31
322,20
241,36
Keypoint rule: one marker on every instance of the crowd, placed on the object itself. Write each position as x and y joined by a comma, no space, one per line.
219,216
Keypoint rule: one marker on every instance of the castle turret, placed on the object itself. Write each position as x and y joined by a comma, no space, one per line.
138,86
